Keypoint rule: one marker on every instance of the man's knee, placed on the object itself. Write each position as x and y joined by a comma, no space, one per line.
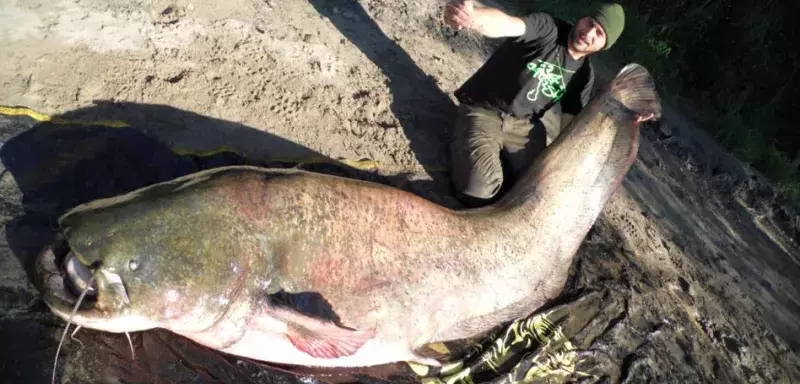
476,172
478,185
475,146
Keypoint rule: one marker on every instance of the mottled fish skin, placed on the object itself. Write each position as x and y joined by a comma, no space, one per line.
302,268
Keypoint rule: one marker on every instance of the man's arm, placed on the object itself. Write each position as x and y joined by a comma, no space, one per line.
490,22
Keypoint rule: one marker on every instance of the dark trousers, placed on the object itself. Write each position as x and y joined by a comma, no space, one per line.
487,142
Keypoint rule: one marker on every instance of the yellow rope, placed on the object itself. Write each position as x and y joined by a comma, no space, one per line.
38,116
365,164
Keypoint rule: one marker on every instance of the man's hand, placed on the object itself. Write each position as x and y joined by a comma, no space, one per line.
460,14
490,22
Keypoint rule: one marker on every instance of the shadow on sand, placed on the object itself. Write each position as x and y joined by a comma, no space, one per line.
58,166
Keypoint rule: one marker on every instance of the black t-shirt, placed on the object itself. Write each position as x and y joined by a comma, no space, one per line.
529,74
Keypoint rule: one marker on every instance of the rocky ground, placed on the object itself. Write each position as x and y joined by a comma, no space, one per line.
696,253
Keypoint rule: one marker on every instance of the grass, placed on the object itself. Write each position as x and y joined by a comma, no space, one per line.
754,148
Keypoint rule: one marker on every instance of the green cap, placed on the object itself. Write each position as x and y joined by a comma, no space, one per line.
612,17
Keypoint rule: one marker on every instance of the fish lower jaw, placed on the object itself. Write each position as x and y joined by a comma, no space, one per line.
94,319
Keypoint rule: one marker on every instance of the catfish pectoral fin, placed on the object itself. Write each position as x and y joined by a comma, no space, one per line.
319,338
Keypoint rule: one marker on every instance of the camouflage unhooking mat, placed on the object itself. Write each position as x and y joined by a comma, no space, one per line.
58,162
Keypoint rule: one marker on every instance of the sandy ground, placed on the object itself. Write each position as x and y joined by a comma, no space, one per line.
698,251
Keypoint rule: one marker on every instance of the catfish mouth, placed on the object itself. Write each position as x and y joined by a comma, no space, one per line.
64,279
105,305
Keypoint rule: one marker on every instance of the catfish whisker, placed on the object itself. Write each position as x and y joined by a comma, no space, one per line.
69,322
133,355
72,336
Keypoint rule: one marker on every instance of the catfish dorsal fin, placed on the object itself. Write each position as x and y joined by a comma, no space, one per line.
635,89
320,338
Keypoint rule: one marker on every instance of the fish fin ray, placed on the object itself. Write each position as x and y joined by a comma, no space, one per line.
335,342
634,87
319,338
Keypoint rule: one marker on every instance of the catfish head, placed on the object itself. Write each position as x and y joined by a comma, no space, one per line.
156,257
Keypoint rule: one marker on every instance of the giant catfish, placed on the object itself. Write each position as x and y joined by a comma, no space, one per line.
300,268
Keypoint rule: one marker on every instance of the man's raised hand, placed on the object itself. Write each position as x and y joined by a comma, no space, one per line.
460,14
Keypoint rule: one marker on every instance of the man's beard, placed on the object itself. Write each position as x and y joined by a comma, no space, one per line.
573,42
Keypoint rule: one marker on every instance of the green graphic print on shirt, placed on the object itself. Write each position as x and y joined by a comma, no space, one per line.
551,80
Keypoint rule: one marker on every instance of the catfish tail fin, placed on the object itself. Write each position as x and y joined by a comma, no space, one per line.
635,88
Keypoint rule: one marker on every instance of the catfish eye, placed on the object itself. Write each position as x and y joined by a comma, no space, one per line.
133,265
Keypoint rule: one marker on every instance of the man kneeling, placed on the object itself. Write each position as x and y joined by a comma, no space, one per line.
516,100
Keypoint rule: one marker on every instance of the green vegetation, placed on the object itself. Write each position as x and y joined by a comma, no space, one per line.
734,66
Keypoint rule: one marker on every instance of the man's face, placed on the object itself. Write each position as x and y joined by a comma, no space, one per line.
588,36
